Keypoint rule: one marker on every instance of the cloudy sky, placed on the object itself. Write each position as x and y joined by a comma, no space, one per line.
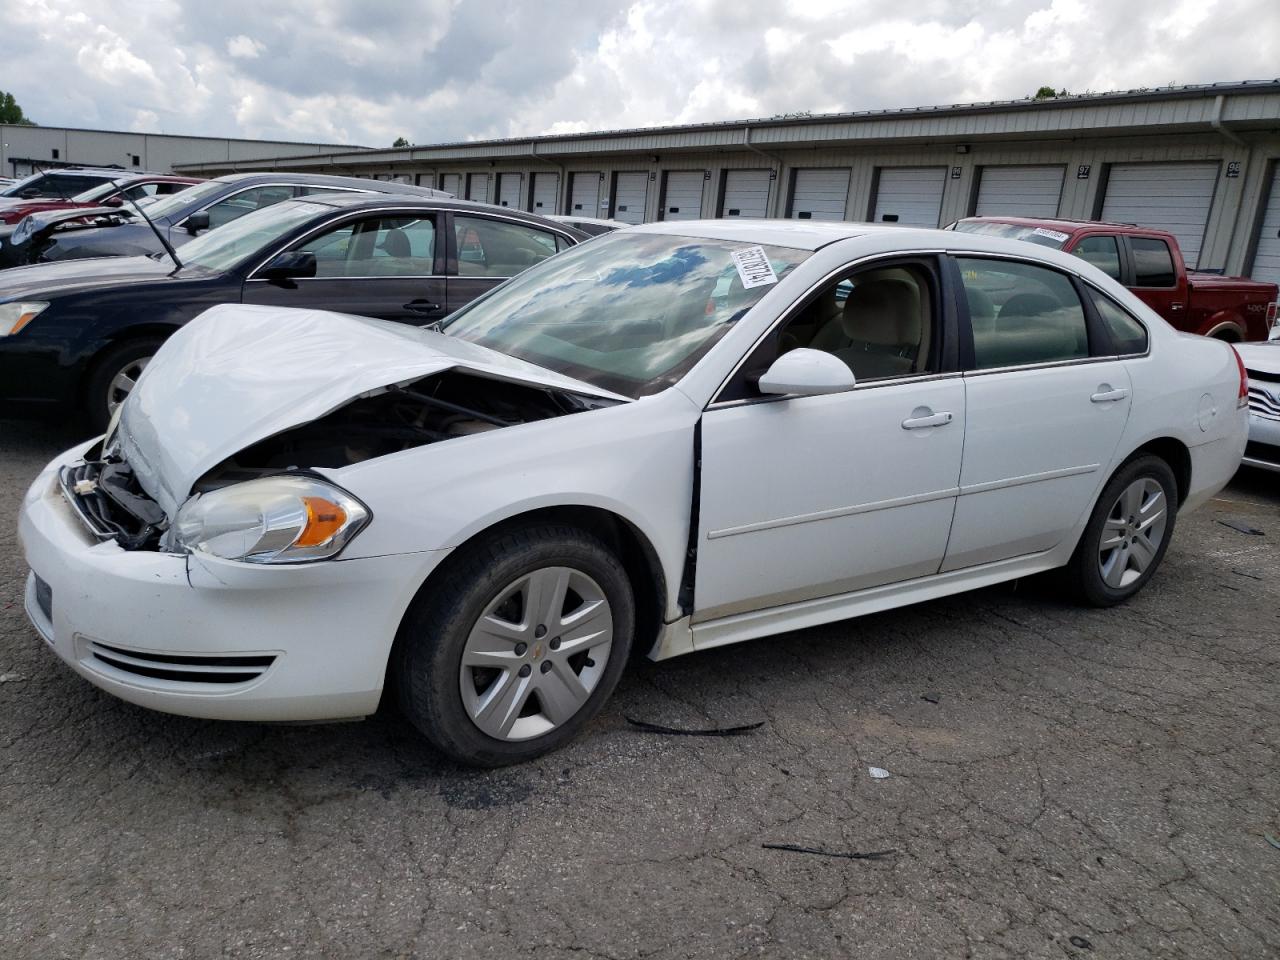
367,71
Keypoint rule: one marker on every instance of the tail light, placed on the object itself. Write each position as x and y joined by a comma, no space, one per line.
1273,321
1242,398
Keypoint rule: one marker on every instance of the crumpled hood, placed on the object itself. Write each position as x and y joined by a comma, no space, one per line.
1263,357
238,374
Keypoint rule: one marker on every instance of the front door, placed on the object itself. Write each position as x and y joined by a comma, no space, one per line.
1043,417
388,266
806,497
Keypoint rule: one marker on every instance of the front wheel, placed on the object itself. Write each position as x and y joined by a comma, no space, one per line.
115,373
1127,534
513,651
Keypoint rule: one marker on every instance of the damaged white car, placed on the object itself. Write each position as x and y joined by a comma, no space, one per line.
672,438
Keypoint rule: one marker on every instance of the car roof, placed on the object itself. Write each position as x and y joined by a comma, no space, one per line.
1062,224
800,234
324,179
361,201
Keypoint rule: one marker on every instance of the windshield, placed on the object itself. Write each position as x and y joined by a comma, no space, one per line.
183,198
628,312
1045,236
14,189
227,246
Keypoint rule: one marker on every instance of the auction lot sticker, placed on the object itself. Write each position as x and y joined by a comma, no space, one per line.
754,267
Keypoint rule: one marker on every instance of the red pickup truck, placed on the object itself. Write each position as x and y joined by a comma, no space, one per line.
1150,264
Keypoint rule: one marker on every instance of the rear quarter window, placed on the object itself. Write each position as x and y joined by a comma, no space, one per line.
1128,335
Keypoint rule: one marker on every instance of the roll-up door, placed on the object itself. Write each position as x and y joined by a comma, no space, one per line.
451,183
1266,259
584,194
682,196
1166,196
478,187
819,194
508,190
630,194
1019,191
545,189
746,193
910,196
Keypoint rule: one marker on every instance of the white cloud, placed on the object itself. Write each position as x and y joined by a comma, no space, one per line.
244,48
442,70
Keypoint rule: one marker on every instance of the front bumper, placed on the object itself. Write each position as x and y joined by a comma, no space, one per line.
203,637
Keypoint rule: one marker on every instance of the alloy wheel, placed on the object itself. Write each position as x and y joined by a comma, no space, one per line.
123,382
533,658
1133,532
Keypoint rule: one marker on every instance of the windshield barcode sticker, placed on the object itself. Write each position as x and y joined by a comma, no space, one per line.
1051,234
754,267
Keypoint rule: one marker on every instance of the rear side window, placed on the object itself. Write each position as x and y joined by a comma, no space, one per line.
1152,263
1101,252
1127,334
1022,313
495,248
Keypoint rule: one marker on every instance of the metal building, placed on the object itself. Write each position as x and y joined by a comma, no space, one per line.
25,149
1200,161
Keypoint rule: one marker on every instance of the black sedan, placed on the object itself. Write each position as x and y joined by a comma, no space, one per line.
79,333
186,215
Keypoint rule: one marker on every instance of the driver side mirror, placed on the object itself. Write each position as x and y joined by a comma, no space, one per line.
806,373
116,201
290,265
197,222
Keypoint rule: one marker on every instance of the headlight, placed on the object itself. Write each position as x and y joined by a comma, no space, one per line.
286,519
23,231
15,316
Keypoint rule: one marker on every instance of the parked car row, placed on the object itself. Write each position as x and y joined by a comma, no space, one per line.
673,437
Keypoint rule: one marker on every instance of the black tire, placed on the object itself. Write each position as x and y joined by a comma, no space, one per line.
1083,576
433,635
105,367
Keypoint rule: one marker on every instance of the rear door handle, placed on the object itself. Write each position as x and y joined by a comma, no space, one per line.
1106,394
422,306
929,420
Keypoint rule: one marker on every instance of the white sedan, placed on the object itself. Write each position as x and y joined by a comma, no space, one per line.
678,436
1262,362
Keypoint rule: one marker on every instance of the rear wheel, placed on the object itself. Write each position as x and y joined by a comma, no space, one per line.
517,646
115,373
1127,534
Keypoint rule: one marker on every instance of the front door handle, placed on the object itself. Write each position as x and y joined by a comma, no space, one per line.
422,306
1106,394
926,420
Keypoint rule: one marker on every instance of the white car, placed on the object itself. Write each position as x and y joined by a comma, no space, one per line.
678,436
1262,363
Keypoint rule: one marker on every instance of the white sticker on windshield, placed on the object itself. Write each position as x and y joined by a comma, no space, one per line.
754,267
1051,234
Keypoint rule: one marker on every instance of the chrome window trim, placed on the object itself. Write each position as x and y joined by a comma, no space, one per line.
791,309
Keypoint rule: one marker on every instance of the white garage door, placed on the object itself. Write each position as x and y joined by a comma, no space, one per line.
508,190
910,196
546,187
819,194
746,194
584,194
682,199
451,183
1019,191
478,187
1266,261
1167,196
630,197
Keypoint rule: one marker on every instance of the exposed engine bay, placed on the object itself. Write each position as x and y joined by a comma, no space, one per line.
440,407
444,406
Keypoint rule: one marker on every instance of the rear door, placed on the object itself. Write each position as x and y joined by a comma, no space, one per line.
1046,402
1158,278
390,266
484,251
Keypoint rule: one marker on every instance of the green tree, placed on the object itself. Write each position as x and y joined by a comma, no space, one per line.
1048,93
401,142
10,112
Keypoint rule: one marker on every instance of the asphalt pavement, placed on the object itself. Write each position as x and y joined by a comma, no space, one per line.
1061,782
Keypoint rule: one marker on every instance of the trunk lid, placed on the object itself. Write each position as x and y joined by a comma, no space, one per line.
239,374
